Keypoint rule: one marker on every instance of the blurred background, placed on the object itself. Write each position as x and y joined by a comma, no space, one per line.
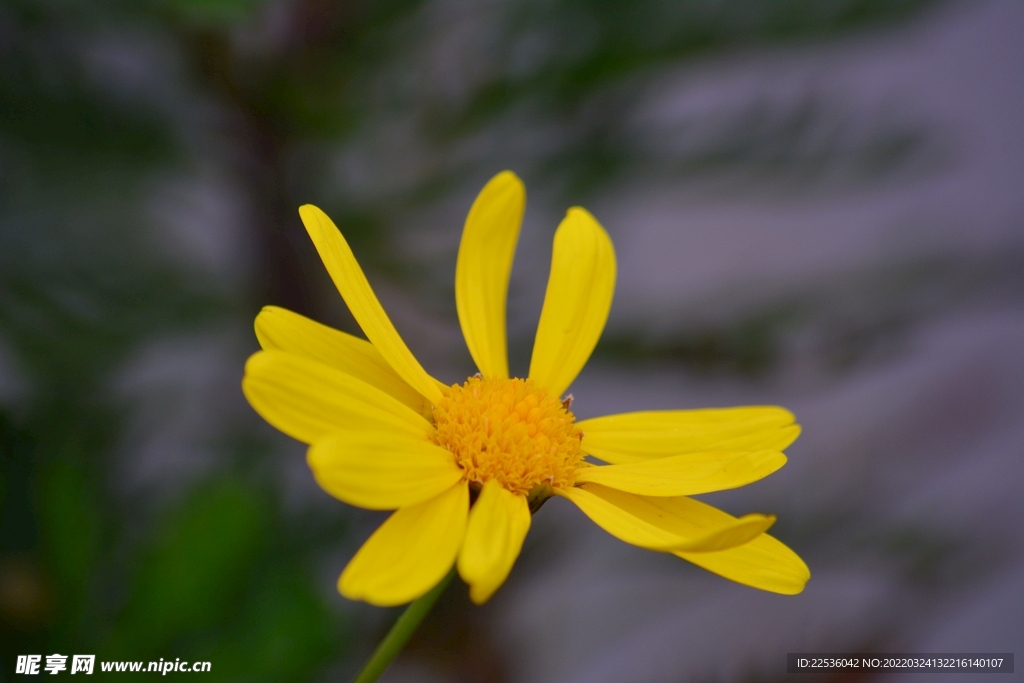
815,203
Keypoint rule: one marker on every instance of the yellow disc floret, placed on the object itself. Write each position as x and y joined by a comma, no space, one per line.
510,430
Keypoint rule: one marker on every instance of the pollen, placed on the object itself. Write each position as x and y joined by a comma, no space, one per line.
510,430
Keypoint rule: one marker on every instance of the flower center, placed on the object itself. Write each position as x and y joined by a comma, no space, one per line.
510,430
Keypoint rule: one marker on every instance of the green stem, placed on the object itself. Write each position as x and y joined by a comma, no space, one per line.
400,633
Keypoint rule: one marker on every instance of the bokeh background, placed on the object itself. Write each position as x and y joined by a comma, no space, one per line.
815,203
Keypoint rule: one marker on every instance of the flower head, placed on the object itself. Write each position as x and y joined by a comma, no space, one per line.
462,466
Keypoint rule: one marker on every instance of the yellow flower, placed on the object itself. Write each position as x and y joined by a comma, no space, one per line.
462,466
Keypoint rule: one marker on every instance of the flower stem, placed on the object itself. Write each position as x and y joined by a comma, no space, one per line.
400,633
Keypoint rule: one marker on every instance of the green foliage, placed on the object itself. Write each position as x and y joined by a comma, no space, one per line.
194,569
214,13
283,633
57,119
17,519
212,585
580,65
70,522
583,45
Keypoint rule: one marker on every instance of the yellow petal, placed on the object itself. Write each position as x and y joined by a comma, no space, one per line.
641,436
619,448
410,552
366,309
281,329
655,524
308,400
648,420
687,474
381,470
497,527
483,269
764,562
577,301
653,434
